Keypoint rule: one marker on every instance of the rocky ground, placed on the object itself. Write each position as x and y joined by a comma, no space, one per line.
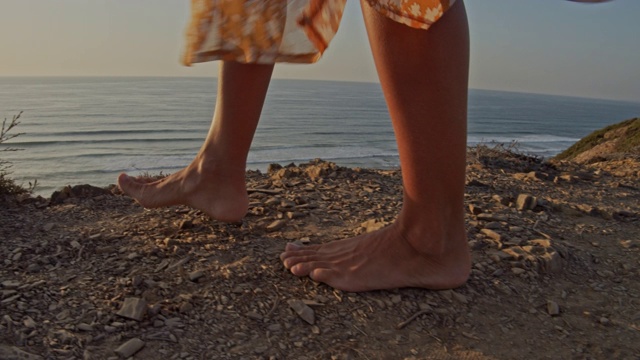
91,275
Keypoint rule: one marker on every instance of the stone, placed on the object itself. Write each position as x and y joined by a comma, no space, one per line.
186,307
29,322
10,284
276,225
372,225
15,353
195,275
254,315
129,348
491,234
492,217
550,262
459,297
553,308
303,310
84,327
526,202
133,308
475,210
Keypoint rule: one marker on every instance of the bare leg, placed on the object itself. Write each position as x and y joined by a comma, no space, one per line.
424,76
215,181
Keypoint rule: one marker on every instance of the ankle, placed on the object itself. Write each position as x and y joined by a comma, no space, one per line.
433,236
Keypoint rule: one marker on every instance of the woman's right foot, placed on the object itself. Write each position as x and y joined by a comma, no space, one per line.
220,194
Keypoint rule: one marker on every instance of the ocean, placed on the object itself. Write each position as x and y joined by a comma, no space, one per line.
81,130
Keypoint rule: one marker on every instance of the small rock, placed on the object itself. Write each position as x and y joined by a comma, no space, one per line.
475,210
276,225
491,234
15,353
63,315
493,225
492,217
372,225
525,202
303,310
29,322
33,268
10,284
174,322
185,224
254,315
133,308
553,308
48,227
186,307
195,275
85,327
129,348
110,329
459,297
518,271
550,262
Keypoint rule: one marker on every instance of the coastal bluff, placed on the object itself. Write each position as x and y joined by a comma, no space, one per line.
555,244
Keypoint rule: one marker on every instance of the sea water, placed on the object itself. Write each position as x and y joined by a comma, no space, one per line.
88,130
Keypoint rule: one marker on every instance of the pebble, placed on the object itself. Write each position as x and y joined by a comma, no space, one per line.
85,327
553,308
133,308
525,202
254,315
10,284
186,307
276,225
195,275
29,322
303,310
129,348
517,270
11,299
459,297
491,234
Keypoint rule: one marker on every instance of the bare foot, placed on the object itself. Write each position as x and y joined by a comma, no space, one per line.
219,194
384,259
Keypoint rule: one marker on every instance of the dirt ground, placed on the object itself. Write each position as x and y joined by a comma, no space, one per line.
555,274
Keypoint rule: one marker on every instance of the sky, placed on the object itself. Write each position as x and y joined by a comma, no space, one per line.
540,46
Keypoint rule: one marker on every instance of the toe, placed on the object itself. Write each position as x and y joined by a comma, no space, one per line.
291,259
128,185
305,268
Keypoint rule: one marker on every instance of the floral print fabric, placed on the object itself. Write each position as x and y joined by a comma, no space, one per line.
268,31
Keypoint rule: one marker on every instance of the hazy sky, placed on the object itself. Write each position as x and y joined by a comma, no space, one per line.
543,46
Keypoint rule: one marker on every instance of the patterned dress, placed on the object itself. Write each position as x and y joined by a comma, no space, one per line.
269,31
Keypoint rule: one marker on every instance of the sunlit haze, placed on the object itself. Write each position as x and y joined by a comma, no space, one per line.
541,46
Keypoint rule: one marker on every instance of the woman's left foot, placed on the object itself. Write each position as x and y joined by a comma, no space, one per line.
384,259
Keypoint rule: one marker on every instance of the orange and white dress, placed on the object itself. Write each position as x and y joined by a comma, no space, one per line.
269,31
